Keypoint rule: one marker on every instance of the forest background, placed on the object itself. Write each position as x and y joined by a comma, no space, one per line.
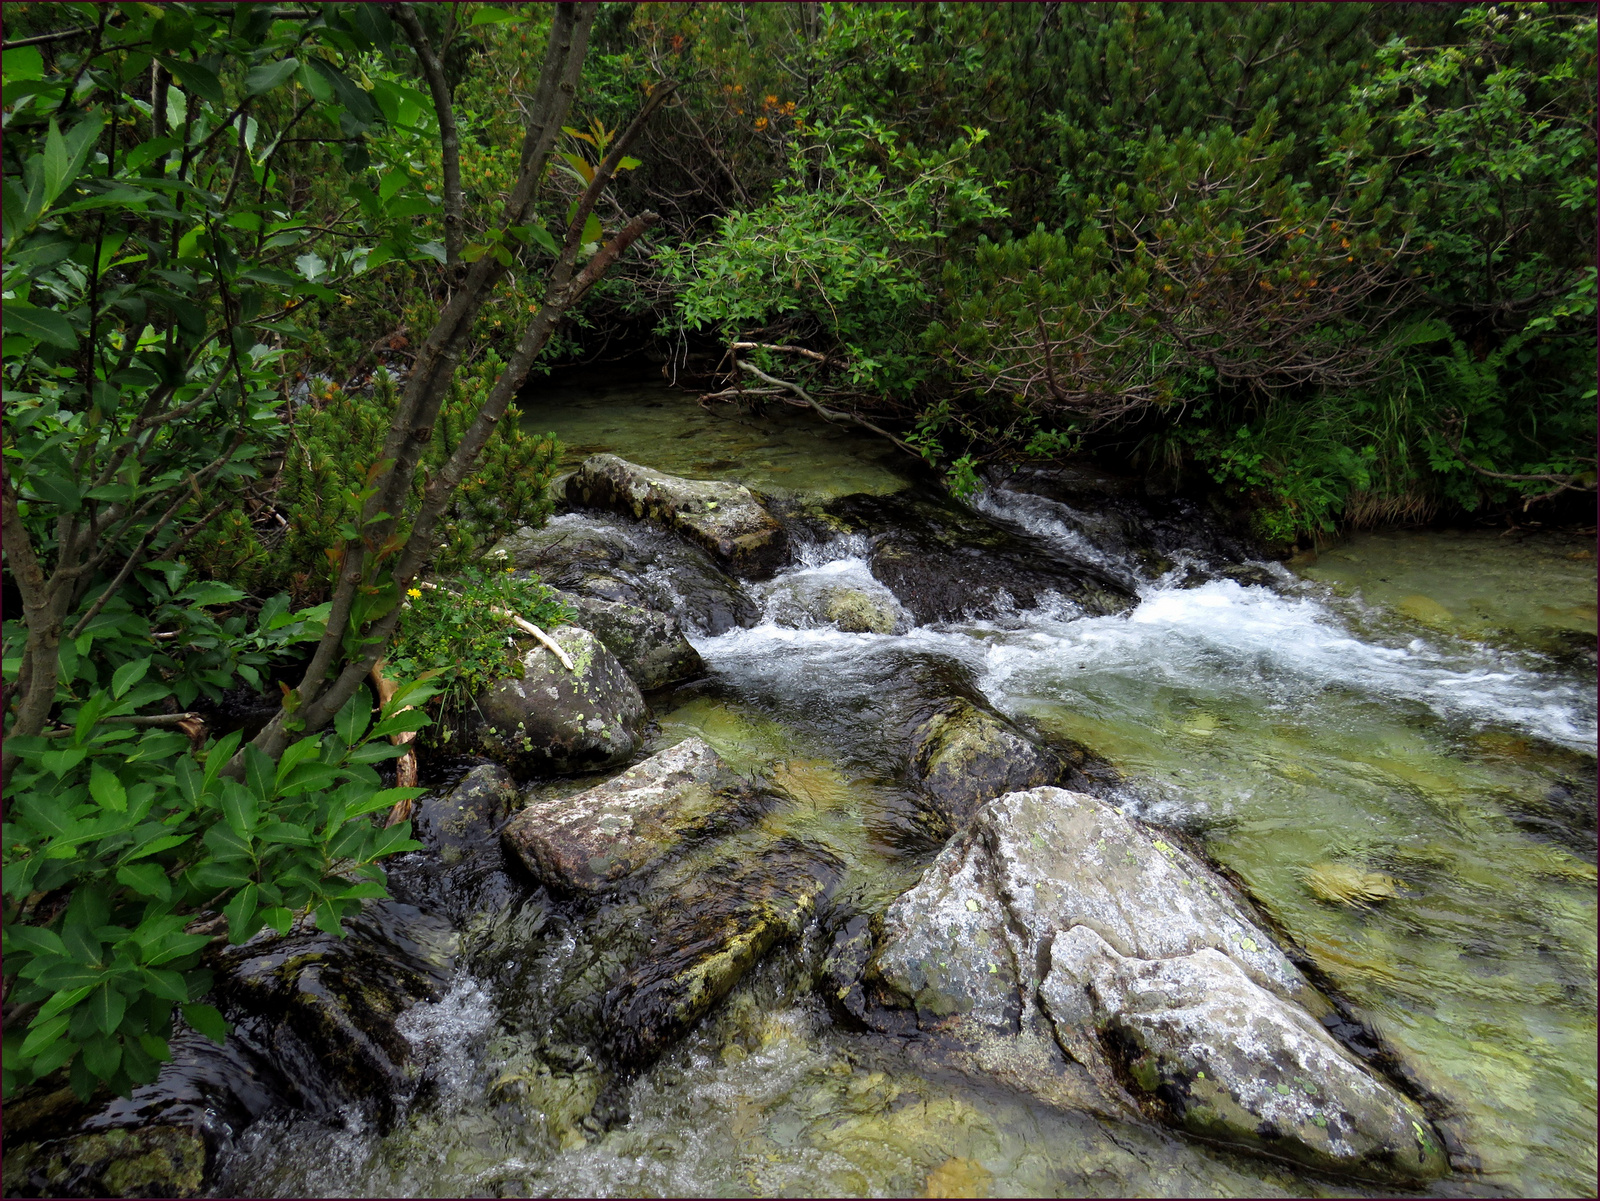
1331,265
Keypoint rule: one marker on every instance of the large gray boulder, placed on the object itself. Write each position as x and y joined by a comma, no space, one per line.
962,757
725,519
553,719
591,841
1054,911
648,644
449,823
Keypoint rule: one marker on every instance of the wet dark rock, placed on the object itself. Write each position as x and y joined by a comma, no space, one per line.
705,933
725,519
324,1008
589,842
556,720
468,814
944,562
612,559
843,968
962,756
648,643
1056,912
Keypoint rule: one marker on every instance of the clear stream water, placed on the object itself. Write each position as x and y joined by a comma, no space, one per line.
1420,704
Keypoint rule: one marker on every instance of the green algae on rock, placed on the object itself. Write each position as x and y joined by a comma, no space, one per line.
146,1161
962,757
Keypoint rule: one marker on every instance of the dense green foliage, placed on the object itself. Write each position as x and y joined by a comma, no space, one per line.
460,631
1337,257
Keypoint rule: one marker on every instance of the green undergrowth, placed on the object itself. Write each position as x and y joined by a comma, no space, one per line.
454,627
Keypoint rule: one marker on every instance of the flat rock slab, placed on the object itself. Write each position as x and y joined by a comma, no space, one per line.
591,841
726,519
1152,976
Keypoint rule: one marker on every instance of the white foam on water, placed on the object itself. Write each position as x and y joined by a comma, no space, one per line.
1224,639
443,1034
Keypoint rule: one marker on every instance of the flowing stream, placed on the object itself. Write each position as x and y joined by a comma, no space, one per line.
1416,704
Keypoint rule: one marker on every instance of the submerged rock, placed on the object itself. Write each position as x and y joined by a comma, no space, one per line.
608,559
557,720
1345,884
725,519
707,928
1055,910
962,757
589,842
947,563
648,644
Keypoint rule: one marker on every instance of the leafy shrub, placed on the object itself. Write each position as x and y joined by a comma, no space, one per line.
119,833
454,630
333,443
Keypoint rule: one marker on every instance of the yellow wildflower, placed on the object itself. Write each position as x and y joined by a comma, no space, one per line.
414,593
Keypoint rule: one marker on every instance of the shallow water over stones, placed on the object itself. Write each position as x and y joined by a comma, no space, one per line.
1282,722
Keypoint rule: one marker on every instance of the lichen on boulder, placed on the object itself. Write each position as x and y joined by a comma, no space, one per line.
1055,911
648,643
589,842
725,519
146,1161
554,720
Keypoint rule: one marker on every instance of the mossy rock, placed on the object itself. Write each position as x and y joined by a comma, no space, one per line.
148,1161
555,720
648,643
962,757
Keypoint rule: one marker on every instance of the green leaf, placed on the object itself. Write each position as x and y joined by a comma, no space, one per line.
269,75
165,843
102,1056
314,776
217,756
497,16
354,716
241,914
367,889
146,879
42,1035
200,80
387,799
259,775
36,939
375,752
128,675
304,749
401,723
241,806
279,918
107,790
314,82
207,1021
55,162
42,325
64,1001
106,1006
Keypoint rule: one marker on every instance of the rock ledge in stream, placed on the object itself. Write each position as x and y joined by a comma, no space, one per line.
1056,913
962,757
724,518
553,719
589,842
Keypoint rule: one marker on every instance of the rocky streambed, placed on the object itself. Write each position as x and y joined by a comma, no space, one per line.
876,844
